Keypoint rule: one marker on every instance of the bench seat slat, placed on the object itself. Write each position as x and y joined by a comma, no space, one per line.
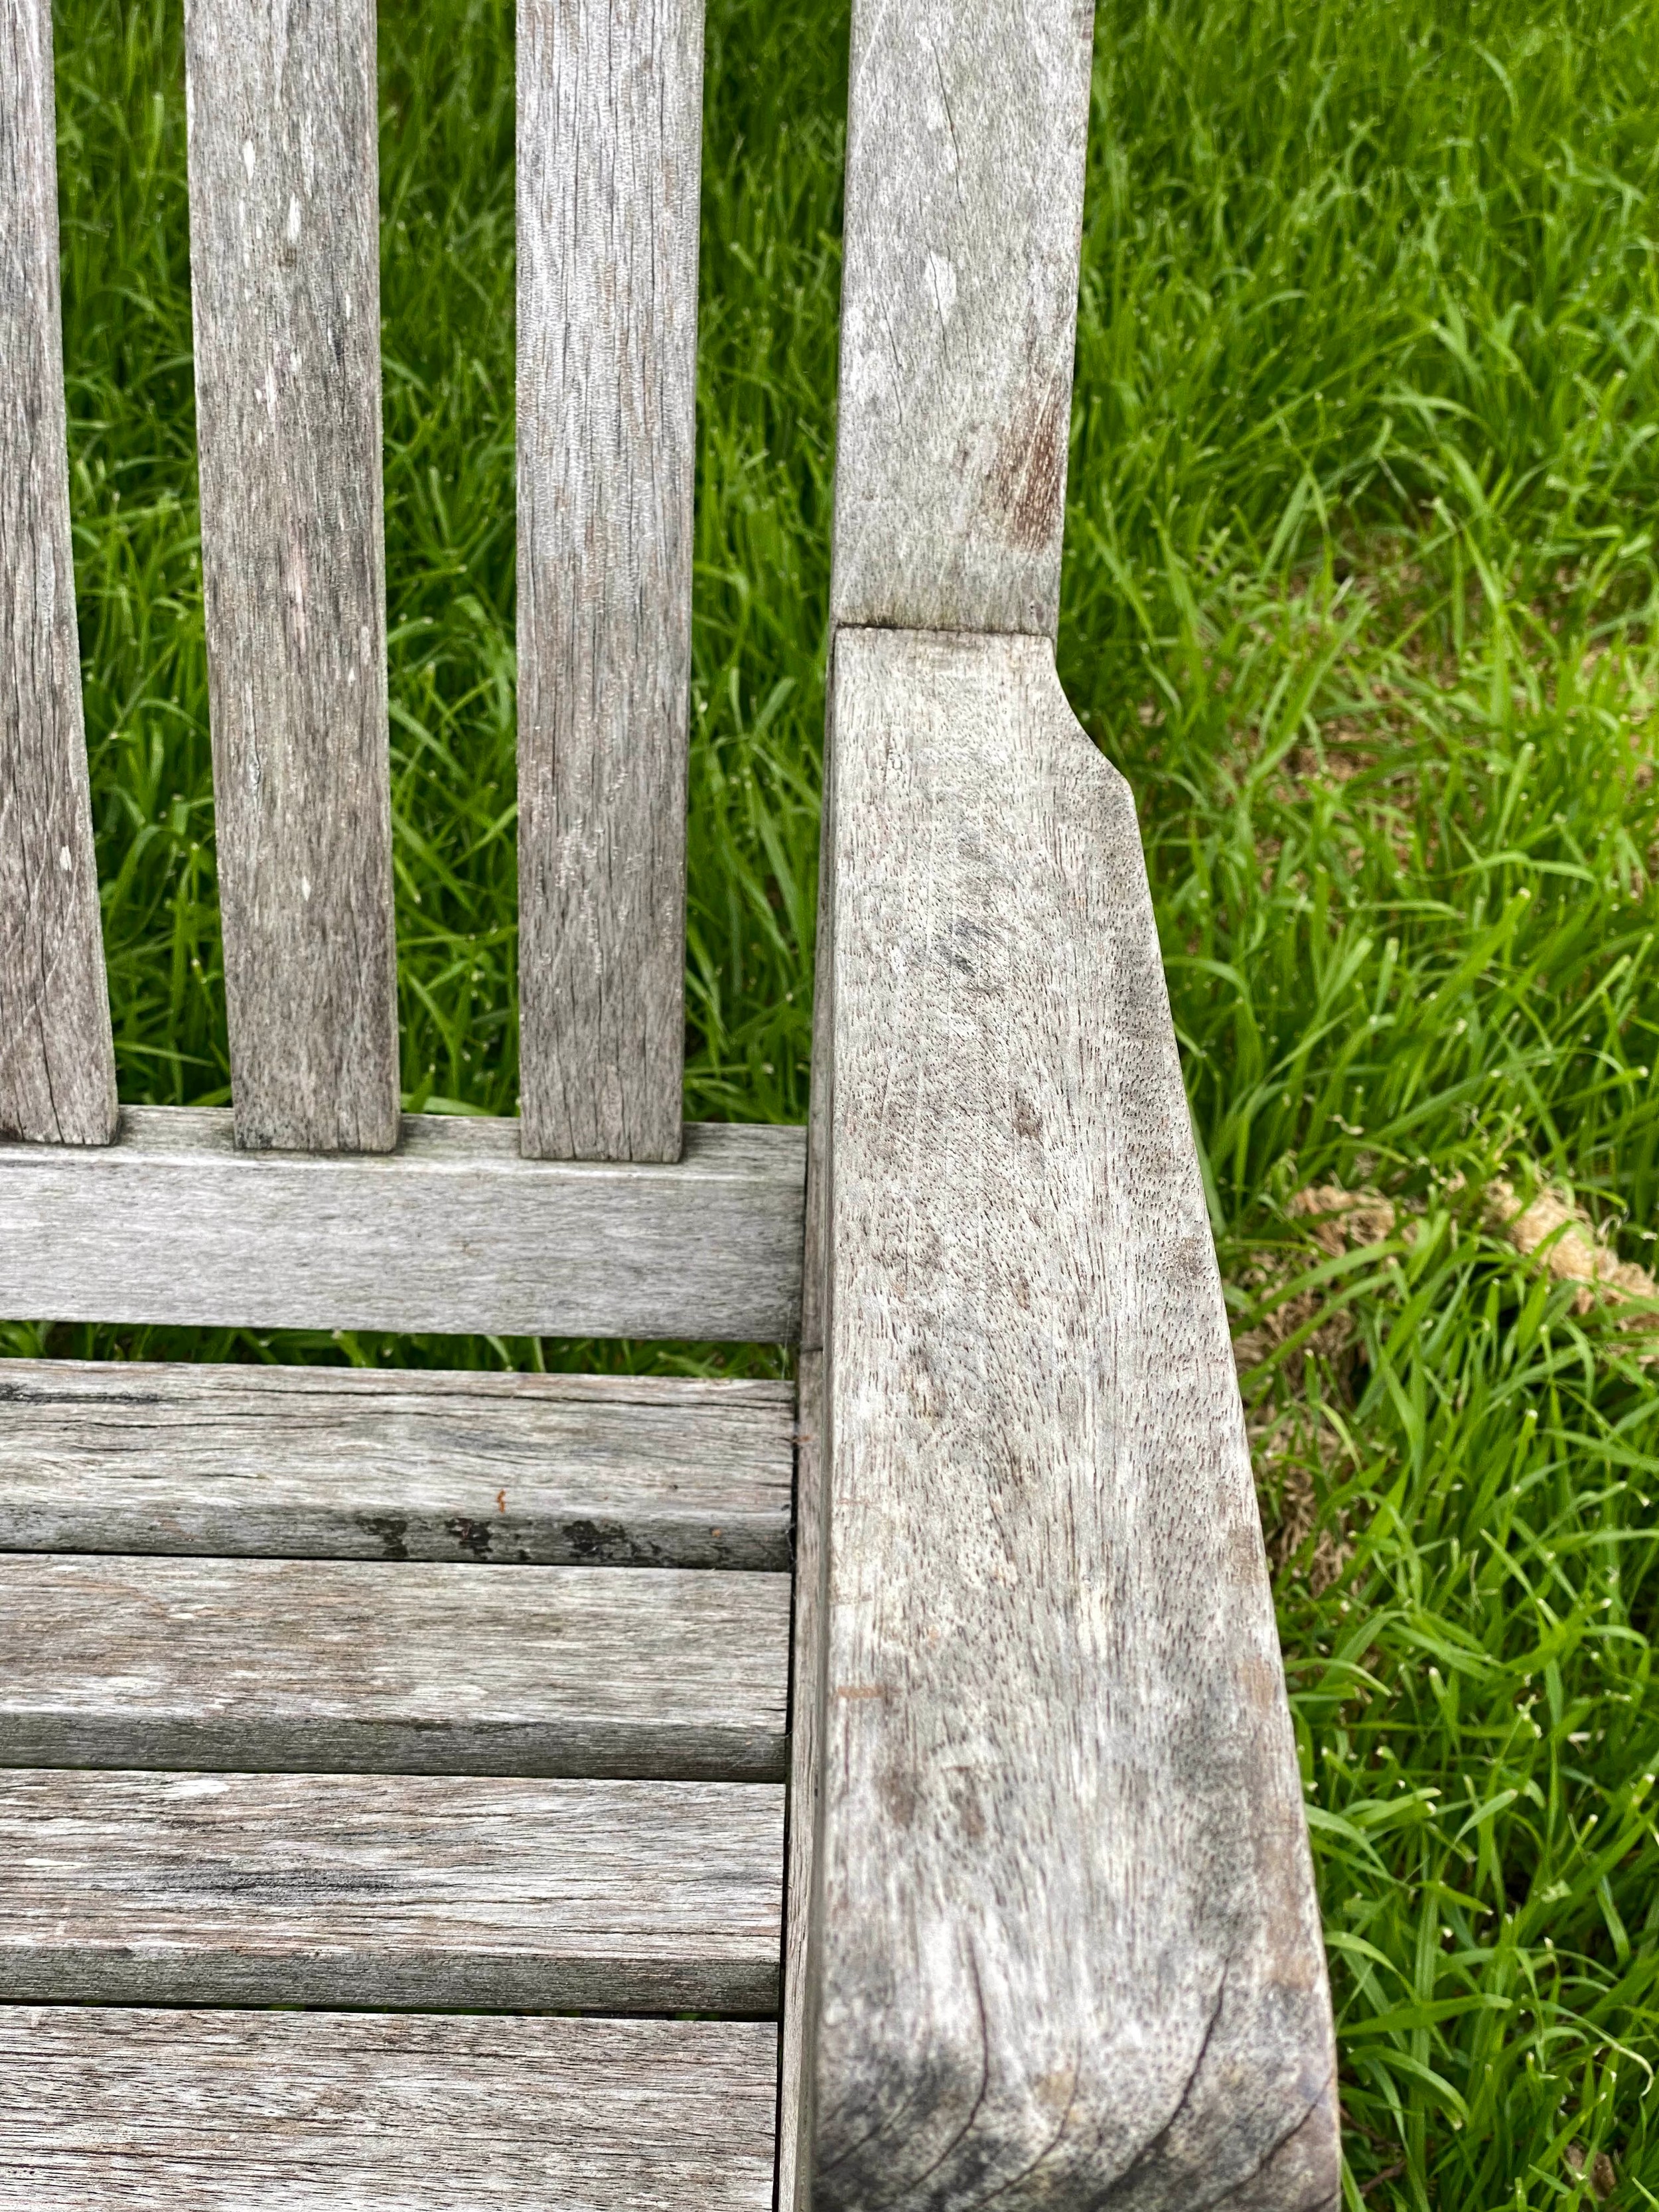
340,1463
57,1061
167,2112
285,277
395,1891
319,1664
455,1231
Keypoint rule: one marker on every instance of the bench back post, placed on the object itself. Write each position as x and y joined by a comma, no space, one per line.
1051,1937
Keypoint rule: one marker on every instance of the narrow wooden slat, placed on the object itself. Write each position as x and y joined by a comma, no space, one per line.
453,1232
333,1665
401,1891
285,277
1069,1947
610,140
797,2050
293,1462
57,1061
170,2111
964,207
797,2053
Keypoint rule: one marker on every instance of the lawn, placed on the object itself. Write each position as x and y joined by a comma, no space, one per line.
1360,595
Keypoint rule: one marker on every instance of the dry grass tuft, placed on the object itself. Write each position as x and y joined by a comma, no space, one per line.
1568,1244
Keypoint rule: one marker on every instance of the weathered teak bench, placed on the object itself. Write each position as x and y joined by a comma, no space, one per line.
394,1796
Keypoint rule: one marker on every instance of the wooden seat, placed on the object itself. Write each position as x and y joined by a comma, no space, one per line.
313,1694
386,1760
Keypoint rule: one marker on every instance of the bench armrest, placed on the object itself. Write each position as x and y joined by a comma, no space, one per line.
1062,1945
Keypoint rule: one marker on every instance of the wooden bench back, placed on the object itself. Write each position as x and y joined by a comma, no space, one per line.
285,266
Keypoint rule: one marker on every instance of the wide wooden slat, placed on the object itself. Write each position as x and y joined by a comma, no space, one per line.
400,1891
285,274
1068,1945
57,1061
964,207
341,1463
170,2112
453,1232
610,140
336,1665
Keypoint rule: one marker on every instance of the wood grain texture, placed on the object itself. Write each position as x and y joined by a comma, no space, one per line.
292,1462
453,1232
610,149
964,207
338,1666
285,278
797,2049
167,2112
57,1061
1070,1951
399,1891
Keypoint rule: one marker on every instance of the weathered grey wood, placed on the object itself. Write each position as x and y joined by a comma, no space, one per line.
57,1061
398,1890
797,2044
135,2110
609,142
797,2059
285,279
336,1665
1069,1947
965,209
454,1231
342,1463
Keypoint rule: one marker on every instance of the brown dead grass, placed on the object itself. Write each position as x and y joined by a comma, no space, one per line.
1566,1243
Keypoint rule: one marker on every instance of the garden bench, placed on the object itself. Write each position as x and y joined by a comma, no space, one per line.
433,1790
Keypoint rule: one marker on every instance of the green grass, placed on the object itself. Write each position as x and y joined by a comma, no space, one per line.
1360,594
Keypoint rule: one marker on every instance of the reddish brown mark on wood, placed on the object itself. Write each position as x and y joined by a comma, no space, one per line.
1028,477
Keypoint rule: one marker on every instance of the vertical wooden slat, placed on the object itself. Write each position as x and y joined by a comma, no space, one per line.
285,264
802,1964
609,136
57,1061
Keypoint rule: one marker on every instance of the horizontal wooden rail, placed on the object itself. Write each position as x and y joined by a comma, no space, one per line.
454,1232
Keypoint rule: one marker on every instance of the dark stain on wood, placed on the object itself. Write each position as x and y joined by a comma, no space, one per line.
1026,488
